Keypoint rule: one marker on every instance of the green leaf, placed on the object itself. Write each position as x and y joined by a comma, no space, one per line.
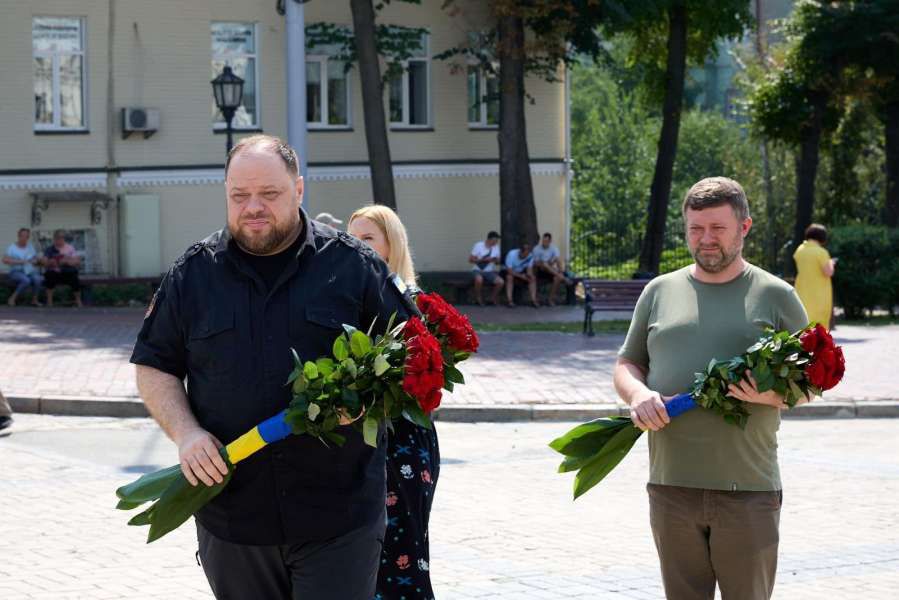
351,400
325,366
381,365
360,344
454,375
711,368
300,385
127,505
143,518
340,349
149,486
370,431
605,460
350,330
588,438
310,370
414,413
349,366
180,501
313,411
296,358
336,438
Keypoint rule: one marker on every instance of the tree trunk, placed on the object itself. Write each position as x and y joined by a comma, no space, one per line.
891,133
373,103
653,238
518,215
807,171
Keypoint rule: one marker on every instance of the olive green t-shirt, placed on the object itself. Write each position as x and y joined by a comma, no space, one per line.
680,324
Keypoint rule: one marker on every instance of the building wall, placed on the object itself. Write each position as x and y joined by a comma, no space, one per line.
161,59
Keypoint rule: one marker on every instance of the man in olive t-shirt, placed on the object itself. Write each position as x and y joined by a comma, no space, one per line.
714,489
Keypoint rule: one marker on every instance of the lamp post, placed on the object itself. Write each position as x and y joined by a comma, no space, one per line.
227,89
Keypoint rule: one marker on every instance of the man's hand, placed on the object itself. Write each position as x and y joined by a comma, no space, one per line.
648,411
747,391
200,459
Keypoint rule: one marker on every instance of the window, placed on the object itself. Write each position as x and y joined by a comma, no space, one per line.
234,45
58,60
483,98
410,92
327,89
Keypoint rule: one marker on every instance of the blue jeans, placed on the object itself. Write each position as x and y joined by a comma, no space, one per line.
24,281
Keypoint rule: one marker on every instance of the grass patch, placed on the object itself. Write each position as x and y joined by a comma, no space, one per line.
616,326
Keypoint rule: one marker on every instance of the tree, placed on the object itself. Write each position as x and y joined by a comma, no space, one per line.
366,44
373,103
559,31
669,35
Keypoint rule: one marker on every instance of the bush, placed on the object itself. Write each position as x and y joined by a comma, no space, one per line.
867,275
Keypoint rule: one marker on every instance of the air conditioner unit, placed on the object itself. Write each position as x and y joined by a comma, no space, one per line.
144,120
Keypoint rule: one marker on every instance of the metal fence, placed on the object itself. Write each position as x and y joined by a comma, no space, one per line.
613,251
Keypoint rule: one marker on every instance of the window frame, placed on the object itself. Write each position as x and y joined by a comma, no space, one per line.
324,125
257,124
429,122
481,123
56,127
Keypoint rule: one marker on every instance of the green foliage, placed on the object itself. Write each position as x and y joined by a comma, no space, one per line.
646,24
867,275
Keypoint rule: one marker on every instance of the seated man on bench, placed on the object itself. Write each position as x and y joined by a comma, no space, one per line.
520,267
548,264
485,262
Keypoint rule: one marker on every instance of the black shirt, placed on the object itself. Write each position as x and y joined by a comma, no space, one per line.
214,322
269,268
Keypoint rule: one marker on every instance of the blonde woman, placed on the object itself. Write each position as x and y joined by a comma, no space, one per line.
413,455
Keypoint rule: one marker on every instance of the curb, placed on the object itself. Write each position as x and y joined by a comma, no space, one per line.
130,406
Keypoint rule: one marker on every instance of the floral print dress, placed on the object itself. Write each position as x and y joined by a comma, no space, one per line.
413,464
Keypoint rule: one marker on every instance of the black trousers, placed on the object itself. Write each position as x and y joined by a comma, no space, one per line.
343,568
69,278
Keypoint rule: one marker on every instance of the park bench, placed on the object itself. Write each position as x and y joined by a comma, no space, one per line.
462,284
604,294
88,281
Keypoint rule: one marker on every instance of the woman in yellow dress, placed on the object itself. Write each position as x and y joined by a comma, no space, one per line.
814,268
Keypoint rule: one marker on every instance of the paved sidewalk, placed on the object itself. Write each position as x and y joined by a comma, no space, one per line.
52,359
503,525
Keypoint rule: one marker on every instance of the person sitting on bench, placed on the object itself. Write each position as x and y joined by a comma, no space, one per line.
548,263
520,267
62,267
485,258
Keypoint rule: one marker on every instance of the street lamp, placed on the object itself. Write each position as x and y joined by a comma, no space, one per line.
228,91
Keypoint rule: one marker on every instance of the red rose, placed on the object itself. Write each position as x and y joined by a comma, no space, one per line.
434,307
431,402
824,338
817,375
809,340
460,334
423,375
826,357
413,327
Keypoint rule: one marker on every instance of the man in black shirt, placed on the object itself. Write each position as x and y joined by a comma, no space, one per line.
298,520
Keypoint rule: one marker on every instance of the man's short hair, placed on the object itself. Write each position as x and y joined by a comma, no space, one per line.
267,143
548,235
21,229
59,233
492,235
816,232
715,191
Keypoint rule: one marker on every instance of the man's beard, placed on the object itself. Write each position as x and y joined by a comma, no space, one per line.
719,261
263,244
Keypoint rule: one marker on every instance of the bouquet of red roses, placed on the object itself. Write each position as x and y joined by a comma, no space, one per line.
367,381
795,365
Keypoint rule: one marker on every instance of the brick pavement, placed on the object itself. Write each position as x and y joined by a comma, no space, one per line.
503,525
85,353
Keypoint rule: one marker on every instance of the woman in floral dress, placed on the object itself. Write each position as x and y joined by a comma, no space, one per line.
413,455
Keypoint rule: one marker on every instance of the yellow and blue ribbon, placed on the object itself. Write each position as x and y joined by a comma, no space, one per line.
269,431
